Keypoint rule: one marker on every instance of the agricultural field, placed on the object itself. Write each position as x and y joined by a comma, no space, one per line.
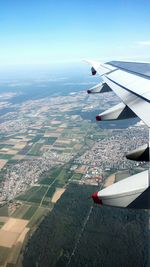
50,192
4,253
62,178
1,224
6,156
30,212
53,172
50,140
20,211
37,138
40,212
38,195
28,194
2,172
47,181
35,150
77,176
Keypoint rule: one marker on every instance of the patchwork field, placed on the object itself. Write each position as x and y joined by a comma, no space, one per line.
12,235
35,150
2,163
110,180
19,212
57,195
77,176
40,212
11,231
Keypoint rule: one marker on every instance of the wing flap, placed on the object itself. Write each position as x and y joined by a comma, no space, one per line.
136,103
131,87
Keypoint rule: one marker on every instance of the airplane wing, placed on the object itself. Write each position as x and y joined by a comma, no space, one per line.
131,82
132,192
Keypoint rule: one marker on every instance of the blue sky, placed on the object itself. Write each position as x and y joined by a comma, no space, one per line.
47,31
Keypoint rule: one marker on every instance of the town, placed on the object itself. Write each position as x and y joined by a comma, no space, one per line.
41,134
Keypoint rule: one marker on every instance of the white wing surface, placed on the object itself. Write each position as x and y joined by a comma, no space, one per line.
129,82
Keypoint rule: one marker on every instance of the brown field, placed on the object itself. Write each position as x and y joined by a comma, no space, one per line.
15,225
110,180
23,234
3,219
8,239
64,141
18,157
77,146
81,169
23,138
12,141
8,151
13,255
11,231
57,195
60,129
20,145
64,125
58,148
2,163
55,122
52,134
4,150
12,236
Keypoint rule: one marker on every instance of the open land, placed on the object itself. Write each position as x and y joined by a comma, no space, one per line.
45,147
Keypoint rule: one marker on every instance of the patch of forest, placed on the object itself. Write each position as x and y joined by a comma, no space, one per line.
108,237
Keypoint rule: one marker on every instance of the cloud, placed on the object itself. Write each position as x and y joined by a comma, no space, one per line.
144,43
80,83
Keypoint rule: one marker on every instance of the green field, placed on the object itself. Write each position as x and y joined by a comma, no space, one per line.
50,192
1,224
4,210
77,176
4,252
6,156
52,128
63,178
37,138
46,202
62,145
28,194
19,213
46,181
50,140
35,150
40,212
57,176
2,173
38,195
52,173
68,150
30,212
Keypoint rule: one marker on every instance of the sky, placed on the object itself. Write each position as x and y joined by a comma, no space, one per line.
41,32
